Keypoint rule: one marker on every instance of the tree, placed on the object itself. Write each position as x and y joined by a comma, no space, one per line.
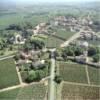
69,51
58,79
40,74
93,50
17,57
96,58
64,55
27,46
38,44
3,44
78,51
10,47
31,76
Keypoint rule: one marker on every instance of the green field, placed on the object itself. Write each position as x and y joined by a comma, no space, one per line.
20,18
73,72
94,74
8,74
53,42
32,92
9,95
75,92
62,35
66,34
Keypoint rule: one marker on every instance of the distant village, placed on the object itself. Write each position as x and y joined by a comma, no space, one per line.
75,25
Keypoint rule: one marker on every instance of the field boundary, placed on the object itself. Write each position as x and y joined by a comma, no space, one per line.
87,74
81,84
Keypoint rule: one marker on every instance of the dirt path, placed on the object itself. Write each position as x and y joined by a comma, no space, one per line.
19,76
66,43
18,86
87,74
6,57
10,88
81,84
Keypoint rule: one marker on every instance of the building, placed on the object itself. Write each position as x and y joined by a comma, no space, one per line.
38,64
83,44
18,39
39,28
81,59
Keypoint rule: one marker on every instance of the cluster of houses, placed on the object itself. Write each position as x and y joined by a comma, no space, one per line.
83,58
75,24
31,57
40,28
89,35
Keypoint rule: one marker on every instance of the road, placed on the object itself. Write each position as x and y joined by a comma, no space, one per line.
3,58
10,88
75,36
52,76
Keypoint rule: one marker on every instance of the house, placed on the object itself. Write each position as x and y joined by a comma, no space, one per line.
39,28
83,44
25,55
38,64
81,59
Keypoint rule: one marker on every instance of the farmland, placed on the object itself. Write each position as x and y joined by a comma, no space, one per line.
53,42
43,41
94,74
36,92
66,34
58,38
75,92
20,18
10,95
8,74
73,72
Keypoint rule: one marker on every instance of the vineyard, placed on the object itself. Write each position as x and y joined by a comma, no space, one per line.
73,72
74,92
32,92
36,92
94,74
8,74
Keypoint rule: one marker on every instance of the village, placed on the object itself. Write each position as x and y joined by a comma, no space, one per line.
36,63
76,25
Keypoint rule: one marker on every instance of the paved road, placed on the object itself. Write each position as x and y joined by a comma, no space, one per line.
52,76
